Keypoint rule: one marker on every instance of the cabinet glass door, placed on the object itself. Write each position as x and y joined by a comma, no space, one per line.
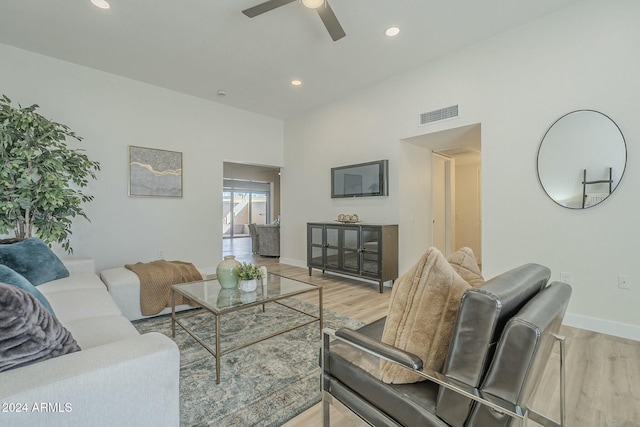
332,246
371,251
316,245
350,249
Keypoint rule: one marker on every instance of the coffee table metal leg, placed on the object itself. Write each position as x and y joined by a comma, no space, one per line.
320,308
218,354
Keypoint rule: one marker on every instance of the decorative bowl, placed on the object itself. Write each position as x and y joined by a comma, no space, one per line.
348,219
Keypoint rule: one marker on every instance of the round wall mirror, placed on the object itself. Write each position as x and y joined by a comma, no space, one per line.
581,159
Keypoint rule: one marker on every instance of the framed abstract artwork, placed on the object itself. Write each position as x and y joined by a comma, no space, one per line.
154,172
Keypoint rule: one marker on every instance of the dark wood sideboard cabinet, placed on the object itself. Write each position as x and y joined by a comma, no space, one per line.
368,251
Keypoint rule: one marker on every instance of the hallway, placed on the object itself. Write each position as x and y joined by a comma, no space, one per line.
240,247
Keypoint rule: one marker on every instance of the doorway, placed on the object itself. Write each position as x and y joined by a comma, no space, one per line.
250,195
456,194
454,189
442,199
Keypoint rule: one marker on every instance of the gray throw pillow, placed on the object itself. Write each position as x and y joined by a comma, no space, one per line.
11,277
34,260
28,332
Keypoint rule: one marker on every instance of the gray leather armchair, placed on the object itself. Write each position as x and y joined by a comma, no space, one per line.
501,343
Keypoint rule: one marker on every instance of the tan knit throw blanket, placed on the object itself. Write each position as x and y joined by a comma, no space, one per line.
156,278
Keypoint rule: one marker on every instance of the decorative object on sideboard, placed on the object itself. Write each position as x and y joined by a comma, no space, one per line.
42,178
154,172
348,218
227,272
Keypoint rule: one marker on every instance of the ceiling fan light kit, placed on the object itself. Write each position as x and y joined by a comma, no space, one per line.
321,6
313,4
102,4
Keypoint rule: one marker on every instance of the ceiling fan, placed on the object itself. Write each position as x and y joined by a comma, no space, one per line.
321,6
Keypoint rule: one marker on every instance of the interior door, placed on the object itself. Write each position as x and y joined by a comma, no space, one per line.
441,170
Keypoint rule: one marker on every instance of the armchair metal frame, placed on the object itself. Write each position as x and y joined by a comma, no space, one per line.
390,353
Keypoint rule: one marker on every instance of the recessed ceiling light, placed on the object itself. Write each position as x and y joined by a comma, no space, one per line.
221,93
296,82
392,31
102,4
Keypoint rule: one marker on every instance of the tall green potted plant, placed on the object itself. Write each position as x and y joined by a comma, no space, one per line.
41,178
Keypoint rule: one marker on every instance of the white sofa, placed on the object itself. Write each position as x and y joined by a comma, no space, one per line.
119,378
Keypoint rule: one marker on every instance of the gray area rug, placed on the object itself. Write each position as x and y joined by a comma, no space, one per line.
265,384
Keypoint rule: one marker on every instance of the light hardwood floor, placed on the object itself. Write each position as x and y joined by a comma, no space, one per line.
602,371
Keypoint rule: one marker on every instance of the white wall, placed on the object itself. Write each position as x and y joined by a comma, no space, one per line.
467,206
516,85
112,113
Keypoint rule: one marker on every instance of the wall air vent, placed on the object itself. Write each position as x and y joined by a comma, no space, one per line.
437,115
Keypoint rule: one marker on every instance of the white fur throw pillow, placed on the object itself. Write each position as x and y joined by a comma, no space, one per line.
422,314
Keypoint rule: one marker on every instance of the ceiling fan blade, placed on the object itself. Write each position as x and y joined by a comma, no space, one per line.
265,7
330,21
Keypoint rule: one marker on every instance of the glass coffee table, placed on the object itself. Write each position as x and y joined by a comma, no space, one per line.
219,301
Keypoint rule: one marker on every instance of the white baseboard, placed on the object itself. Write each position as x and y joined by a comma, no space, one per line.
617,329
293,262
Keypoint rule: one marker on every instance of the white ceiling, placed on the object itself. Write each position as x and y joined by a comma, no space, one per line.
199,47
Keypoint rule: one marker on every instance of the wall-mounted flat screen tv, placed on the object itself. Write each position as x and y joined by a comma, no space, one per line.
361,180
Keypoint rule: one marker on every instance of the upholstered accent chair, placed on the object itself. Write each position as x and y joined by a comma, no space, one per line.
501,343
253,233
268,240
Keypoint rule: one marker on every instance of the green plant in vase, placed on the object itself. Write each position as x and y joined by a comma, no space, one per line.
248,275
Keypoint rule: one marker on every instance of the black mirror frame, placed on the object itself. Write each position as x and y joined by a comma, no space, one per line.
624,142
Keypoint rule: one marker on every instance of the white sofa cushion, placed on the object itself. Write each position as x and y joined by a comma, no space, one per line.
80,304
75,281
90,333
79,264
